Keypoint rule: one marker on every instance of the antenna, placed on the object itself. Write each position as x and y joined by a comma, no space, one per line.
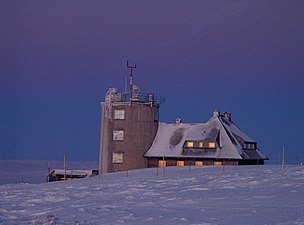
131,78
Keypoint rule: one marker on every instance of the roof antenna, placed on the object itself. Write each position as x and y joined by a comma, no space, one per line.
131,78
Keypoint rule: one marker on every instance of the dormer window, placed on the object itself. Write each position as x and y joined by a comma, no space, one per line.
251,146
200,144
211,144
189,144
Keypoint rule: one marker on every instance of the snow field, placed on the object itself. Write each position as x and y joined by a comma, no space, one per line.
201,195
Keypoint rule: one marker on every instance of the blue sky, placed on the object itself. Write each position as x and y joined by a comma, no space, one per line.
59,58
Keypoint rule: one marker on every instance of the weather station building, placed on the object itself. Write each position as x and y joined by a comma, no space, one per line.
129,125
132,136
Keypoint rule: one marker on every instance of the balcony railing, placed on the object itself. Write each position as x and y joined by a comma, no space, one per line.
135,97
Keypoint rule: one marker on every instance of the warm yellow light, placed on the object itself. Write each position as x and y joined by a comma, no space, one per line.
162,163
211,144
217,163
180,163
189,144
198,163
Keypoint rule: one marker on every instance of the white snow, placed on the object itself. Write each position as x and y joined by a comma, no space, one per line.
174,195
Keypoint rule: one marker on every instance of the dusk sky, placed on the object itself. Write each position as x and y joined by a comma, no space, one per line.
58,59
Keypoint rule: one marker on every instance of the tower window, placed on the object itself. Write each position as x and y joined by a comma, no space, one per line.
119,114
118,135
117,158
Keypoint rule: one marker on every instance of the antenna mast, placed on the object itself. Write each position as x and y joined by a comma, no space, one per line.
131,78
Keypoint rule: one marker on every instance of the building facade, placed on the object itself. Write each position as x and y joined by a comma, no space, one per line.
129,125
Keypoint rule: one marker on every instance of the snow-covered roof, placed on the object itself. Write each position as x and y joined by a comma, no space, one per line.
171,138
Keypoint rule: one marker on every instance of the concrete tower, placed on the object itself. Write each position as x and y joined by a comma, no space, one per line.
129,123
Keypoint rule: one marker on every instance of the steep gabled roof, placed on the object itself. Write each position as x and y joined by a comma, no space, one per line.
171,138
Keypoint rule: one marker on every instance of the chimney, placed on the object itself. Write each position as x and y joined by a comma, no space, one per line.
178,120
228,116
216,113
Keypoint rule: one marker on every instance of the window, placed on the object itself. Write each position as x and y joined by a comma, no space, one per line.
249,146
118,135
201,144
117,158
199,163
211,145
189,144
180,163
218,163
119,114
162,163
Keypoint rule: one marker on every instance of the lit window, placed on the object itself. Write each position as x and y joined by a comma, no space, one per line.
218,163
118,135
201,144
199,163
119,114
189,144
180,163
117,158
211,144
162,163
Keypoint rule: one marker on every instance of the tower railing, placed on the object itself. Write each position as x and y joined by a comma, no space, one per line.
135,97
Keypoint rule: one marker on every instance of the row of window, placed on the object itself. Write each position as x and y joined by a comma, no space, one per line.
118,158
249,146
163,163
200,144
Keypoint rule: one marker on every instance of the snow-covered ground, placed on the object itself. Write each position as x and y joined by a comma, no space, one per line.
201,195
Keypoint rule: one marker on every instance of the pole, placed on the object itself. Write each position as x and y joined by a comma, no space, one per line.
131,79
49,171
164,166
64,166
283,157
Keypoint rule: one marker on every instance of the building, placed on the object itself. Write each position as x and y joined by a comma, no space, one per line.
132,136
129,125
216,142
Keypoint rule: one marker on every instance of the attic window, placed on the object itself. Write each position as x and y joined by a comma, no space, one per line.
211,144
189,144
251,146
207,144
